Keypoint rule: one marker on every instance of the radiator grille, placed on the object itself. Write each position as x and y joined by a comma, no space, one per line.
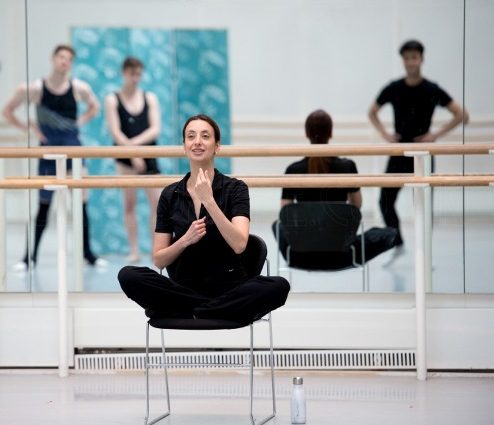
290,359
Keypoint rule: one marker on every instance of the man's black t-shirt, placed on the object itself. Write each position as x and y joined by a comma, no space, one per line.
336,166
413,106
211,259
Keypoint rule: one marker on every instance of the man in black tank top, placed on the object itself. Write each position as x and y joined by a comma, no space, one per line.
414,100
134,120
58,124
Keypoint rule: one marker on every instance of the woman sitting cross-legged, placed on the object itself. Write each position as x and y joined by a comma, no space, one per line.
202,227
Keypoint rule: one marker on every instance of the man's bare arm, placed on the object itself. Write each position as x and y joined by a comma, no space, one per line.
24,93
84,93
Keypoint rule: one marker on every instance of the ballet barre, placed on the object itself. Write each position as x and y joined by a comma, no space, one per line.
273,181
389,149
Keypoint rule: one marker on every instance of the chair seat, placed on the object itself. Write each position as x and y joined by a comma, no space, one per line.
195,324
323,269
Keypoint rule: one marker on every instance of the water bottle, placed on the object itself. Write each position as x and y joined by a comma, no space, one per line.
298,401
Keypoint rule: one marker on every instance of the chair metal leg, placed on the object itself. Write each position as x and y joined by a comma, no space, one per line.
271,352
290,278
147,367
278,246
271,364
365,270
163,351
251,377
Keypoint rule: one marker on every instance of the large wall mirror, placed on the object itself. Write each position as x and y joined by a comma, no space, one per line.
260,68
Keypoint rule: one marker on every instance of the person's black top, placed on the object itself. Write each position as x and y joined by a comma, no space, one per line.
64,105
211,261
336,166
57,115
413,106
132,125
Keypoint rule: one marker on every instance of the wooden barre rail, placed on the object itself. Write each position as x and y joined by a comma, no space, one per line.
396,149
275,181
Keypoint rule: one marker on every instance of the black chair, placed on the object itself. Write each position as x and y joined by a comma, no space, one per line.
321,227
254,258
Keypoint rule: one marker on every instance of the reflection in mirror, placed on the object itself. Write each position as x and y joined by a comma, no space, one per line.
264,81
479,202
15,132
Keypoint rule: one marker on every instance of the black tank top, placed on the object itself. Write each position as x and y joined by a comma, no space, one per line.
63,105
57,117
133,125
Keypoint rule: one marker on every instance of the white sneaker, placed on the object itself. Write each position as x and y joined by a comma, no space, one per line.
398,252
21,266
101,263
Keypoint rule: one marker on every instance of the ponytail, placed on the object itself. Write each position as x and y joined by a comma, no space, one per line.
319,165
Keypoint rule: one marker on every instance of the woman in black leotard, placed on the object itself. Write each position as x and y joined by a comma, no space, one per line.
133,118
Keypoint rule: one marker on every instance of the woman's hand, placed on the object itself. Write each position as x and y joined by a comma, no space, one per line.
203,188
196,232
138,164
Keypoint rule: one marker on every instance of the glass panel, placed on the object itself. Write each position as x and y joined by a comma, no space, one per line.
300,55
479,202
14,204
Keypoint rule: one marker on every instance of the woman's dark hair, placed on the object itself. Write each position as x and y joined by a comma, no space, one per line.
412,46
209,120
131,62
319,129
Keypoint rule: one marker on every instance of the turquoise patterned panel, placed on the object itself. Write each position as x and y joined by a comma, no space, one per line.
202,70
186,69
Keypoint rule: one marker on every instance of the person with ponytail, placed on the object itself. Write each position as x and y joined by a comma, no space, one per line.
319,130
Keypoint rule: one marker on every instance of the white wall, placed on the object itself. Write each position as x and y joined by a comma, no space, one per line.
459,327
286,56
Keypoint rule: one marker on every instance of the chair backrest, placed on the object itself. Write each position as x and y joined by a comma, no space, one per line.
253,257
320,226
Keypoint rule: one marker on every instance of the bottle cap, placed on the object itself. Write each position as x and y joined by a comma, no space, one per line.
298,380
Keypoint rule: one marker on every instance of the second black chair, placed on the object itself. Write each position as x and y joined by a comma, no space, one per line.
321,229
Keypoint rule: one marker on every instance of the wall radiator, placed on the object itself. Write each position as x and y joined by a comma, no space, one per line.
283,359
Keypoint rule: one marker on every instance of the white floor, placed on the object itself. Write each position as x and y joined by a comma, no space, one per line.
462,262
218,398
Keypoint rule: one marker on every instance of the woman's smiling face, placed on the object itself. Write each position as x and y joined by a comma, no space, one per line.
199,141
